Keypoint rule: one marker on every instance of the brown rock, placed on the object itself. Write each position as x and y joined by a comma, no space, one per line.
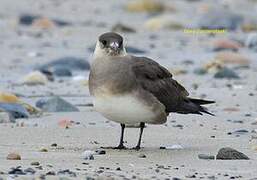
231,109
6,97
43,150
221,44
145,6
43,23
232,58
249,27
64,123
213,67
13,156
164,22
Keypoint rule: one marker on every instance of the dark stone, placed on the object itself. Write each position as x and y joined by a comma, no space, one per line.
226,73
56,104
35,163
200,71
50,173
40,103
62,72
27,19
29,171
69,62
238,121
205,156
100,152
61,23
230,154
240,132
178,126
142,156
54,145
16,110
16,171
48,74
191,176
67,172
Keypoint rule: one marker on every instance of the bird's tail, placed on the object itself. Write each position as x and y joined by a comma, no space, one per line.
199,102
193,106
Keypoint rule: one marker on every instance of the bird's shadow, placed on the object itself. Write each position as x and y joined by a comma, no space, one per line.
147,149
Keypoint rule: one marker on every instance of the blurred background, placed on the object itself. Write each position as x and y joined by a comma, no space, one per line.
46,45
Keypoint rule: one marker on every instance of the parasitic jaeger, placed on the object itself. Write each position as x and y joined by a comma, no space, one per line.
131,90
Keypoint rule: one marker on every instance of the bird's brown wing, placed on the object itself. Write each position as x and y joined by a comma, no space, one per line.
157,80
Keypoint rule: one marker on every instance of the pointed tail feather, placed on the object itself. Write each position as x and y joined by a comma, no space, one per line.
205,110
201,101
193,106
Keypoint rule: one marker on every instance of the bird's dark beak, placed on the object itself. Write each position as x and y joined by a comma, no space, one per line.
114,46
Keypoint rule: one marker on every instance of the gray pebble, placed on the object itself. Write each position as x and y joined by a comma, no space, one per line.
205,156
56,104
142,156
226,73
16,110
230,154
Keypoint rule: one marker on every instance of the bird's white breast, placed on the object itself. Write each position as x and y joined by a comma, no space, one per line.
127,109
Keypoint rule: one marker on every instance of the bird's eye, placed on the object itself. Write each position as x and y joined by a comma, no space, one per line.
104,42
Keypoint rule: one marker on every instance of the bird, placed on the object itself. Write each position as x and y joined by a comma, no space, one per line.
133,90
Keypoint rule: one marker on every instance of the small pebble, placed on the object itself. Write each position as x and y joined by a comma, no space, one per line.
54,145
226,73
35,163
142,156
29,171
17,171
43,150
172,147
205,156
50,173
100,152
34,78
13,156
88,155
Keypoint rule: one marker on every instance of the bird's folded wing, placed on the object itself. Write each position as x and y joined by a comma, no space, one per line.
157,80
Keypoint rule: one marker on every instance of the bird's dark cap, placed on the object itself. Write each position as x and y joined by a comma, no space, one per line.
109,37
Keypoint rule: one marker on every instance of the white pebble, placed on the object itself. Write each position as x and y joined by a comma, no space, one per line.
174,147
88,155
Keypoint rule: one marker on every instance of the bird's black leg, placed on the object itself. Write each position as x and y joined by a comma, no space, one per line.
142,126
121,146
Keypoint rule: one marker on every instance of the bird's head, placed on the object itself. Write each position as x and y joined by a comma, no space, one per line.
109,44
